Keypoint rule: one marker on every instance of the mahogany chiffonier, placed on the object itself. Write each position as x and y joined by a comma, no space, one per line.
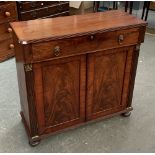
8,13
28,10
75,69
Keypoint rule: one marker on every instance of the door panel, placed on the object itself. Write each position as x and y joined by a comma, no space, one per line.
60,92
106,72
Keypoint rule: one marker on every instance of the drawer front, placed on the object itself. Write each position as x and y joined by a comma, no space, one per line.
8,12
6,49
84,44
5,31
6,45
27,6
4,3
4,55
43,12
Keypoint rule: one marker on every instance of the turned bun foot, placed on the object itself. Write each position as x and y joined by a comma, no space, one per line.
126,114
34,141
33,144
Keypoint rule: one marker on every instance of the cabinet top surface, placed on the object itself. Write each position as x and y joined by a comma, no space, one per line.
62,27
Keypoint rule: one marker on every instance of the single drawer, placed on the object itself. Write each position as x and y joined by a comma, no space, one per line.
5,3
6,49
66,13
6,45
46,11
27,6
8,12
5,31
84,44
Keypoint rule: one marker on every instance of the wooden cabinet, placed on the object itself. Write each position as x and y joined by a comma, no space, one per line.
73,70
29,10
8,13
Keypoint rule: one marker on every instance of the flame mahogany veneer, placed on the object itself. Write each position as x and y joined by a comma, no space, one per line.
76,69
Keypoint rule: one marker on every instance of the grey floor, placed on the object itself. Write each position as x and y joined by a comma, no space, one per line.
117,134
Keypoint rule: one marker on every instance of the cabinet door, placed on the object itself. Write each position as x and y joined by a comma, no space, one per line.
60,93
108,76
